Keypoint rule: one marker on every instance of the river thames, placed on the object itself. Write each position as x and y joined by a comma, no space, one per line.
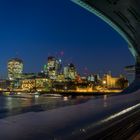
14,105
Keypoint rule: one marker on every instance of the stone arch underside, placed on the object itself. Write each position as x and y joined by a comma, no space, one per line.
124,17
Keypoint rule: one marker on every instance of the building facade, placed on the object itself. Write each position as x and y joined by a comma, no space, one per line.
35,84
115,82
15,68
70,72
53,67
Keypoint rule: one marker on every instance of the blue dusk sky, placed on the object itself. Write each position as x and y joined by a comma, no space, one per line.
34,29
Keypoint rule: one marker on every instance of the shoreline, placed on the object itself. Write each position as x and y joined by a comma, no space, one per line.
12,93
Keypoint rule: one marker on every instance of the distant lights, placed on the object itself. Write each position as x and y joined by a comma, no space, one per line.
60,60
104,82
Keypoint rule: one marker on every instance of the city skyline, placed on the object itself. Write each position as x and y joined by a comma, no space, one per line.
56,77
18,64
39,29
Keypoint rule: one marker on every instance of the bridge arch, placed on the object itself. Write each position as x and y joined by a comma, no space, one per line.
124,17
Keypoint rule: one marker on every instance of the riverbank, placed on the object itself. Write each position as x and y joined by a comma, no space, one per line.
59,93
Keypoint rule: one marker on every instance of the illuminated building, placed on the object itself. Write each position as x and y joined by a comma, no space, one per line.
91,78
94,79
79,79
53,67
66,72
70,72
85,89
15,68
4,84
45,70
28,84
35,84
109,81
41,84
60,78
114,82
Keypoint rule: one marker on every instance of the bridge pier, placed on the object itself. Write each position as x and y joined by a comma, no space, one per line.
136,83
137,69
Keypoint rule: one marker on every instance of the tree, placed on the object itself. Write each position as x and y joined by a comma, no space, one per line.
122,83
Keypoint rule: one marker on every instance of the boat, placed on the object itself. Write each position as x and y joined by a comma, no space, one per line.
51,95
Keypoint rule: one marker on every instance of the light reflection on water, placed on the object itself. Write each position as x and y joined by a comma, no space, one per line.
13,105
105,101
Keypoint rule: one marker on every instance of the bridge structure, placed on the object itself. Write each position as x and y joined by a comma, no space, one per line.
124,17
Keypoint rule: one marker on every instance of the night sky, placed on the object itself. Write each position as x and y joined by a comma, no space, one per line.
34,29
